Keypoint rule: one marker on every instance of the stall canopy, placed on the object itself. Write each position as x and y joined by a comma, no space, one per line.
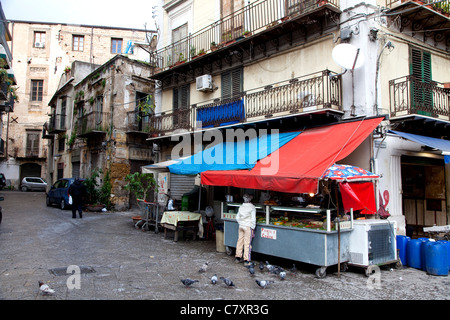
440,144
297,166
344,172
238,153
358,196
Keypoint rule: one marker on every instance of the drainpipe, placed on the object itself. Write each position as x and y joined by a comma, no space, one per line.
388,45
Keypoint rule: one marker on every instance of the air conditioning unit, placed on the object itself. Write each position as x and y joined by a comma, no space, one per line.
39,44
204,83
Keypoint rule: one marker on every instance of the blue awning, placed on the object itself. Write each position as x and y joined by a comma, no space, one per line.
234,155
440,144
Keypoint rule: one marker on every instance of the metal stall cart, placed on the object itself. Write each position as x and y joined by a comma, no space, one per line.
306,240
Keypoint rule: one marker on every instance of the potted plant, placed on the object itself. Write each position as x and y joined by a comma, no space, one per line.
140,184
213,46
93,199
247,33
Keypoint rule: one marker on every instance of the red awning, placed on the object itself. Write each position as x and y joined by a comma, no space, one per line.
297,166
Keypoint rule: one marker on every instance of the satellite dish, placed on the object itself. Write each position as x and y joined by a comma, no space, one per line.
347,56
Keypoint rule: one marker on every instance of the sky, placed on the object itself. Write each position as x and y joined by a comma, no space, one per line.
111,13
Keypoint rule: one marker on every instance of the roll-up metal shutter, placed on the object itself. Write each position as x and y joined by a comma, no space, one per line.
180,184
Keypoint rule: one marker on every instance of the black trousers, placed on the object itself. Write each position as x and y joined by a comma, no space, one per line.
77,205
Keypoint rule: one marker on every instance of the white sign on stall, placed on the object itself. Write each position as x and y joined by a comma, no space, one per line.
268,233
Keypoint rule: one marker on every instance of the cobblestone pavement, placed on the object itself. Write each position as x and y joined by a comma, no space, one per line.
119,262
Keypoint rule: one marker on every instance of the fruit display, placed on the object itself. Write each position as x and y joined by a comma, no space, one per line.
297,223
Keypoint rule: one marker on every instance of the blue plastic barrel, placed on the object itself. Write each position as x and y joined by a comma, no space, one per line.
402,241
413,253
437,258
447,244
422,253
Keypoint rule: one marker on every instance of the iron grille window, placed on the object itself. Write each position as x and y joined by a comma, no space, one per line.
37,90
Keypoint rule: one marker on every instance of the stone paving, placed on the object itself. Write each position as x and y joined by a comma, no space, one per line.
119,262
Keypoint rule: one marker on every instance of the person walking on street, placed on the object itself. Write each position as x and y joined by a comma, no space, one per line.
246,218
77,191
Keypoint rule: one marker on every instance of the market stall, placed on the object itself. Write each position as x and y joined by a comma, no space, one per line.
182,221
305,232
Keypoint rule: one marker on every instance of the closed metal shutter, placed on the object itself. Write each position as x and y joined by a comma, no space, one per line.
180,184
75,169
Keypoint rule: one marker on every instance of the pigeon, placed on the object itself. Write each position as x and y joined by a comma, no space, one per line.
45,289
264,283
269,266
276,270
282,275
214,279
261,266
188,282
227,281
293,269
251,269
204,267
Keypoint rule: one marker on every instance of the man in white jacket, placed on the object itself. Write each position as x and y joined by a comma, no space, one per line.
246,218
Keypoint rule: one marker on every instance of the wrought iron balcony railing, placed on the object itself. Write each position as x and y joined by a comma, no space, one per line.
138,121
93,122
249,20
409,95
296,96
442,7
57,123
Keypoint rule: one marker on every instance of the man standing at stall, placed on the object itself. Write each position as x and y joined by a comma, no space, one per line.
246,218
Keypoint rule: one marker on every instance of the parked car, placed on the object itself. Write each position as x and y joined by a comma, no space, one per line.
2,181
33,184
59,193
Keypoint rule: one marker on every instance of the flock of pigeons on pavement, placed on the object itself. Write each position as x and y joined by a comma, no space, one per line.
272,269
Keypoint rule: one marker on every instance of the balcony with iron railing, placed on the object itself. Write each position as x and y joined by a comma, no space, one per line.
304,95
57,123
93,123
255,18
411,96
425,19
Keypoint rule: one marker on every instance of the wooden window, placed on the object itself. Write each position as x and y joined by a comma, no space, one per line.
181,97
180,51
420,68
32,147
62,120
39,39
232,83
116,45
37,90
180,105
77,43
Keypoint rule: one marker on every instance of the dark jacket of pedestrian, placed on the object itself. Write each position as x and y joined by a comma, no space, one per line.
77,191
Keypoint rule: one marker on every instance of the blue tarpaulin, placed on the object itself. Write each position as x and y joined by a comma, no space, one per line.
440,144
232,155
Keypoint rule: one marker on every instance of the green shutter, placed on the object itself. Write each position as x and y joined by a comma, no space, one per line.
421,94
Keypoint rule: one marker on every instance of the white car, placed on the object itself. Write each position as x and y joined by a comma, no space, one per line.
33,184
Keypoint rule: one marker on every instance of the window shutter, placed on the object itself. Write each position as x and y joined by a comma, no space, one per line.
226,85
236,80
184,97
175,99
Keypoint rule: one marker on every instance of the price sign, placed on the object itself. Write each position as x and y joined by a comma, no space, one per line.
269,233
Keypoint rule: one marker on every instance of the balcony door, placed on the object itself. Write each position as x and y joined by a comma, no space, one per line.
421,92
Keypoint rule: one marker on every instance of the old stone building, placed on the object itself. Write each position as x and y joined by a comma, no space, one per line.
41,54
100,120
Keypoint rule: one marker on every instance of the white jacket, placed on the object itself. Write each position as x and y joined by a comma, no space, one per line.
246,216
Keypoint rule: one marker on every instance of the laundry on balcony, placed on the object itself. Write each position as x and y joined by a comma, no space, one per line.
221,115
